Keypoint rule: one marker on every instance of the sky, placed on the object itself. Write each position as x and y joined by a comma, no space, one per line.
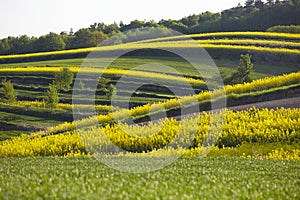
39,17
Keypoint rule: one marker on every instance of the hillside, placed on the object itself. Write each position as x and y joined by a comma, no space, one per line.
201,107
31,79
271,48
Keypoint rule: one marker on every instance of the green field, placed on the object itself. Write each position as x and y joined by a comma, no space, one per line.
32,86
250,154
227,66
209,178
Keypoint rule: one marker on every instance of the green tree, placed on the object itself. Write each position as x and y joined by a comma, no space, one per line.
5,46
64,79
111,91
82,39
8,92
50,42
51,98
25,44
133,25
103,84
98,37
249,3
175,25
243,72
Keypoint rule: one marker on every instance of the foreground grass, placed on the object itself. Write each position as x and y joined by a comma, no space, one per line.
209,178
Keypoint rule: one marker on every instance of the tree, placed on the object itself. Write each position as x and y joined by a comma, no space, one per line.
64,79
111,29
50,42
249,3
259,4
103,84
133,25
111,91
270,2
51,98
87,38
5,47
243,72
191,20
21,44
8,92
98,37
175,25
83,38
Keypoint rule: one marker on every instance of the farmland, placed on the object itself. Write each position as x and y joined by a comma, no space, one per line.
251,127
269,43
210,178
31,79
249,153
202,106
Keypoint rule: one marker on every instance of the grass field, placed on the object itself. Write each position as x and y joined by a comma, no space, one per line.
194,178
226,66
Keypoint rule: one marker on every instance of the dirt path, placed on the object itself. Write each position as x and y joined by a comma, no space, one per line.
286,103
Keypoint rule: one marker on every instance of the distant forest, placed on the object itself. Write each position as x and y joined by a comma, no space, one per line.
254,15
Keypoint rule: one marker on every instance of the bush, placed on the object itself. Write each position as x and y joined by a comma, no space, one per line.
8,92
51,99
285,29
64,79
243,72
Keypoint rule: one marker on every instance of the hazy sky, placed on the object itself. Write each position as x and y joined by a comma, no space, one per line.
38,17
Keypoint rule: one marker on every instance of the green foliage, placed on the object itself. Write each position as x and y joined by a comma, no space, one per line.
263,86
285,29
49,42
51,98
64,79
103,84
107,29
243,72
111,90
252,126
249,3
85,38
8,92
189,178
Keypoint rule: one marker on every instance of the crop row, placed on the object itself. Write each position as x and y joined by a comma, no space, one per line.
260,85
225,129
188,45
108,72
32,87
270,43
155,43
63,106
254,35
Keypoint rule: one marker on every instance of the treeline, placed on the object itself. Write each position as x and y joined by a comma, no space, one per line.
255,15
51,42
